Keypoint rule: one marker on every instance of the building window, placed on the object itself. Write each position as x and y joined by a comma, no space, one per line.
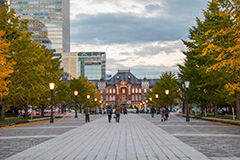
106,90
136,97
140,97
145,90
110,98
110,90
123,91
113,98
132,90
136,90
113,90
106,97
101,91
132,97
140,90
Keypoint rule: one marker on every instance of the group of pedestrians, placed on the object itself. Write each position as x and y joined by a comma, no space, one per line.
118,110
164,112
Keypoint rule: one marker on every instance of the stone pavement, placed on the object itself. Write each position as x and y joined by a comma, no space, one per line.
215,140
133,138
17,139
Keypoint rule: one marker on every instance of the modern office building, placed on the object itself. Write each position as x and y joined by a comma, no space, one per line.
49,20
89,64
1,2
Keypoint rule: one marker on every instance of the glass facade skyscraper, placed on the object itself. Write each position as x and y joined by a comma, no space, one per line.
1,2
88,64
49,20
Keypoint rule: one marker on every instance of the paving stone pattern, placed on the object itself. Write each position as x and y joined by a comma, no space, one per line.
17,139
134,138
216,141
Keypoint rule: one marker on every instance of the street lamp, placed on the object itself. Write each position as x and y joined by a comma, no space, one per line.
156,96
51,86
187,83
95,99
75,94
88,97
167,93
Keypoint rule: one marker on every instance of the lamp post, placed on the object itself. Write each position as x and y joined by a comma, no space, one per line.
167,93
156,96
187,83
88,97
75,94
51,86
95,100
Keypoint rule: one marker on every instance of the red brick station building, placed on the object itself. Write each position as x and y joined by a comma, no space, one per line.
124,89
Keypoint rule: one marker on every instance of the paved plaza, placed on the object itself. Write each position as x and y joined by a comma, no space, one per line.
135,137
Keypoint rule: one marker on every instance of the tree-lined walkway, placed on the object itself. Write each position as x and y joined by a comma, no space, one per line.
133,138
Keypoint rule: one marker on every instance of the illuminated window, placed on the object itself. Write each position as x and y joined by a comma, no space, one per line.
140,90
110,91
123,90
132,90
145,90
136,90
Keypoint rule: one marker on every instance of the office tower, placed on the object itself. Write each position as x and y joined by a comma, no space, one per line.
89,64
1,2
49,20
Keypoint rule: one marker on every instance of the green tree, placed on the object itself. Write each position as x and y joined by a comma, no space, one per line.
224,46
13,30
195,65
167,81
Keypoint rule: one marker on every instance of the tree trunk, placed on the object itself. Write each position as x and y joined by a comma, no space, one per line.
237,106
26,111
3,110
215,106
42,109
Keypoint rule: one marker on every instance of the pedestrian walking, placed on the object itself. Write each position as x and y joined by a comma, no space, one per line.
162,113
153,111
124,110
87,114
109,113
166,113
117,112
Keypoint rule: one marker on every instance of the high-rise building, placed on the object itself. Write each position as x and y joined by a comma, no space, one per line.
1,2
88,64
49,20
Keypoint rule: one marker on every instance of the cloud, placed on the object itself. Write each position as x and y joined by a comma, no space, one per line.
126,28
143,35
160,56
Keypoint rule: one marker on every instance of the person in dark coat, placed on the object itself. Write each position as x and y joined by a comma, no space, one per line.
109,113
87,114
166,113
153,111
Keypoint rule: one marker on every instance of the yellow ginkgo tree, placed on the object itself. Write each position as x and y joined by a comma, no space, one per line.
226,51
5,65
5,68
